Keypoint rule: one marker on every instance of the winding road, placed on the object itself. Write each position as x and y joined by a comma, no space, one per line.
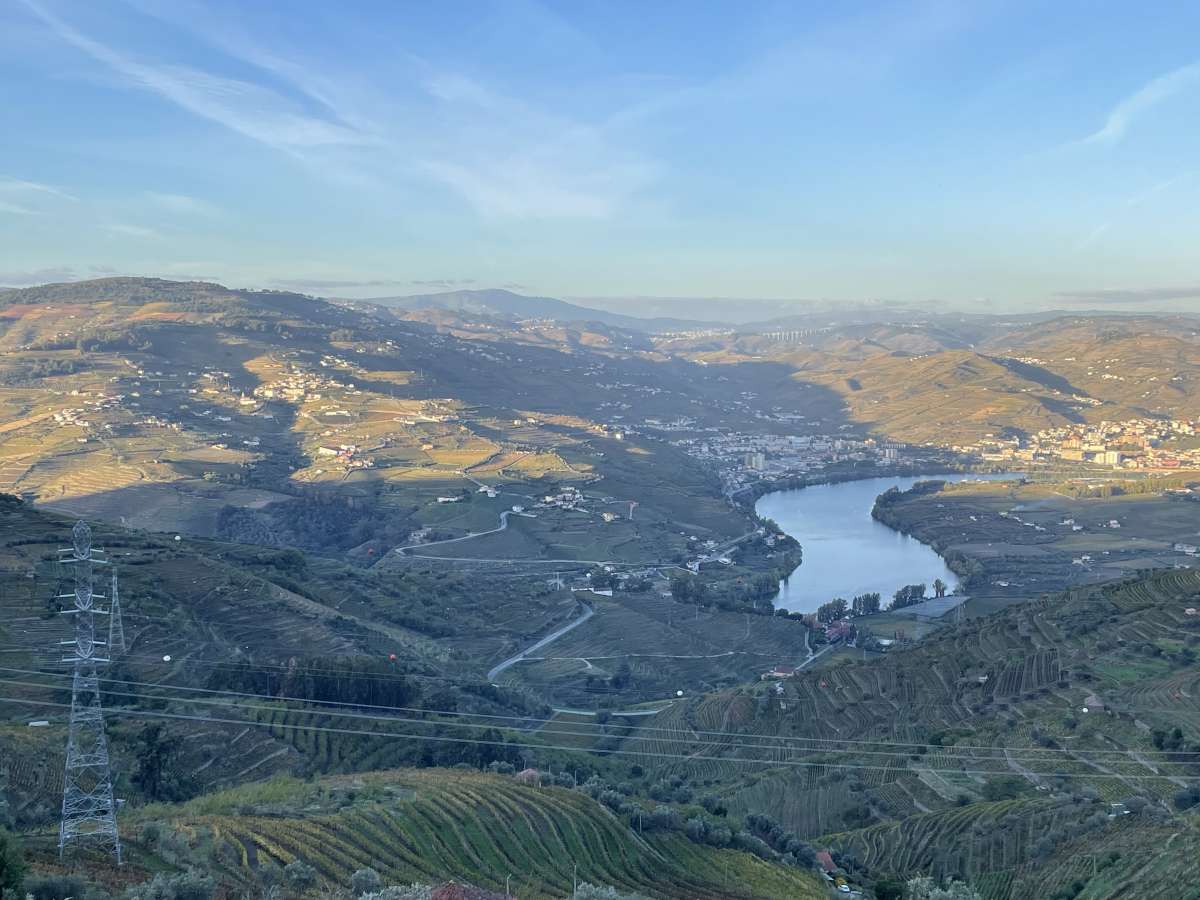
466,537
588,612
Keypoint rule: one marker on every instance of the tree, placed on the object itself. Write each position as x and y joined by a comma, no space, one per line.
832,611
925,888
365,881
300,875
592,892
155,773
908,595
409,892
12,863
190,885
688,589
622,676
1003,787
865,604
602,581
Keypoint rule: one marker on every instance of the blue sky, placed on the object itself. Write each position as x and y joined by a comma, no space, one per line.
981,155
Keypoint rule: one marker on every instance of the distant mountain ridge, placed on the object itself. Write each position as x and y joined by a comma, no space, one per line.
502,303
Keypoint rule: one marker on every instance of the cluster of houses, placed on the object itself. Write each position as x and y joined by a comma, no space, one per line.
1131,444
300,386
836,632
742,458
566,498
348,455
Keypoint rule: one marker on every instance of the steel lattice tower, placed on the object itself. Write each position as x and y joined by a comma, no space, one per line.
88,809
116,629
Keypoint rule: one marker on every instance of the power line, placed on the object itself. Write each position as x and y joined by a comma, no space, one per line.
537,720
635,753
674,736
365,676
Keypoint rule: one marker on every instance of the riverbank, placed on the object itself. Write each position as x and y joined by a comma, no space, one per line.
1010,542
847,551
750,495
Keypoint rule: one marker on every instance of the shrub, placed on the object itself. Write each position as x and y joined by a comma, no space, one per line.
592,892
409,892
664,818
189,885
925,888
612,799
300,875
1003,787
1187,798
744,840
720,836
12,863
365,881
55,887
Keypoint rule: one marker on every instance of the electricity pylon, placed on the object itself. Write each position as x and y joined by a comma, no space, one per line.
88,810
116,629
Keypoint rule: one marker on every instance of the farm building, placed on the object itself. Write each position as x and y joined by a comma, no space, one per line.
779,672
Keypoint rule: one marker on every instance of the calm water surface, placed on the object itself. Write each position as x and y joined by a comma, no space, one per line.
846,552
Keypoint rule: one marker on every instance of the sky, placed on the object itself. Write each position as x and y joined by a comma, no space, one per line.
986,156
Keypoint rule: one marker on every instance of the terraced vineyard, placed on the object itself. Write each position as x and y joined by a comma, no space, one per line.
1069,700
433,825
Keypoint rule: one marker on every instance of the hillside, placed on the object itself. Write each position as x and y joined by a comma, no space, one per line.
282,419
503,304
992,750
957,381
433,826
1011,540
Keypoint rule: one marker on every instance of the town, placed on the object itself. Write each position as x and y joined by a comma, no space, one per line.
1133,444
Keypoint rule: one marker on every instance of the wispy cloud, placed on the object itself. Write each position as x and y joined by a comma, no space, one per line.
21,186
122,229
1131,296
504,157
252,110
1092,236
1133,201
1158,188
1148,96
181,204
15,209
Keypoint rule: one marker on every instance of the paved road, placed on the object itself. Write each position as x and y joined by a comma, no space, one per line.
588,612
466,537
817,655
631,714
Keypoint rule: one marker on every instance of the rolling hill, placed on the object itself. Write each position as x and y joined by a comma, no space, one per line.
503,304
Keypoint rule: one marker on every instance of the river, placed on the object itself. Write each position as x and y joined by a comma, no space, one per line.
846,552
